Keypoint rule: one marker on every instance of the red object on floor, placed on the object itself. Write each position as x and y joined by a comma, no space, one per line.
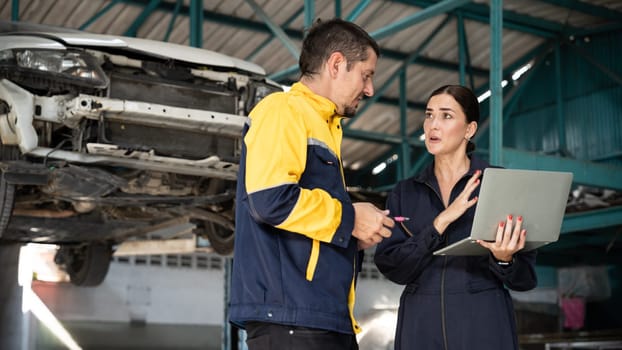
574,312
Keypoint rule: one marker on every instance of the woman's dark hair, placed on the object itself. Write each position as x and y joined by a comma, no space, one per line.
466,99
336,35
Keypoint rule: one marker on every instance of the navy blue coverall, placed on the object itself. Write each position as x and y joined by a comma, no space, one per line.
449,302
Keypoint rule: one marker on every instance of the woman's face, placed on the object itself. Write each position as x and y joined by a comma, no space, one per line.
445,126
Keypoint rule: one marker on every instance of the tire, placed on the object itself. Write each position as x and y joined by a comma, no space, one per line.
7,199
218,228
87,265
7,190
220,238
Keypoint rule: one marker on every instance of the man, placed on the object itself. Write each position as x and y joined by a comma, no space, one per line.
298,234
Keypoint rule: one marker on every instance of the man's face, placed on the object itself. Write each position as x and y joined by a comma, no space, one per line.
355,83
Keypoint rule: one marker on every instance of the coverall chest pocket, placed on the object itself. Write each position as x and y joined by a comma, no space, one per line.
322,170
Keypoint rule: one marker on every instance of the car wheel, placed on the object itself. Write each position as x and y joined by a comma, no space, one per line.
217,226
87,265
7,190
220,237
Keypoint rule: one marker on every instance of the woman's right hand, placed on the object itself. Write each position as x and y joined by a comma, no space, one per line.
509,240
459,206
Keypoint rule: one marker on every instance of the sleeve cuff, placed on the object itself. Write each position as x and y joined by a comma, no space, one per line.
344,231
504,268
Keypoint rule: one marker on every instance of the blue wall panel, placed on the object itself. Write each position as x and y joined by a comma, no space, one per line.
592,103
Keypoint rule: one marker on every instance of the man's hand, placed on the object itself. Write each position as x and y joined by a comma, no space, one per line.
371,225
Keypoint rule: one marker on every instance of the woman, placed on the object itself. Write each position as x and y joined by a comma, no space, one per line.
452,302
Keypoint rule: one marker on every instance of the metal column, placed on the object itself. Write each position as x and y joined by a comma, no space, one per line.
496,91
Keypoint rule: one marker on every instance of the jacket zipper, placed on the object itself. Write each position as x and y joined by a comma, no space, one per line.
443,321
355,325
343,178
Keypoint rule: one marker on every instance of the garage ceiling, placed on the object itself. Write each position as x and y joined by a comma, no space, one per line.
423,36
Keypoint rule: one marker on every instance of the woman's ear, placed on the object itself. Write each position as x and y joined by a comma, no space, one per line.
471,130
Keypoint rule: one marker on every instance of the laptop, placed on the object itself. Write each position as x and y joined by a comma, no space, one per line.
539,196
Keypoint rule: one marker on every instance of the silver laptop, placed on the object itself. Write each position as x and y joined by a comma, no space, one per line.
539,196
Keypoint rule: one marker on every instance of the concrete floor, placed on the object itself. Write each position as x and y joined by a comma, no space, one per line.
122,336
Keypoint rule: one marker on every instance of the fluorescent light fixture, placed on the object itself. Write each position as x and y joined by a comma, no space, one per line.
483,96
486,94
522,70
515,76
379,168
382,166
356,165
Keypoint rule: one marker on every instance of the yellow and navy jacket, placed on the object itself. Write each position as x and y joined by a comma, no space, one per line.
295,259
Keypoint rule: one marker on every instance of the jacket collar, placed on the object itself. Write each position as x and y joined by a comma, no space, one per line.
324,107
427,175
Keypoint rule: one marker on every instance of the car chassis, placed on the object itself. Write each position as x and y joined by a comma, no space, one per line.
106,139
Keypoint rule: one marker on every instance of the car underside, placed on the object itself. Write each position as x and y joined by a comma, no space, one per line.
114,145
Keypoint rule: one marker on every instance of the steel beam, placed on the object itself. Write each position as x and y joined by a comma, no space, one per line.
196,23
171,23
559,102
15,10
276,30
585,172
309,14
356,12
140,20
268,40
409,21
587,8
97,15
496,91
592,219
395,75
512,20
589,58
379,137
404,161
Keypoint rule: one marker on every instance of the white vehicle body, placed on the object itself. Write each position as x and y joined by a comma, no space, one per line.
106,138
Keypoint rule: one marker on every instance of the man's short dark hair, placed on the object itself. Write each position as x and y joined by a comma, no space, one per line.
335,35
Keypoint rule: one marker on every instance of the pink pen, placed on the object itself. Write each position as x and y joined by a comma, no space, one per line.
400,218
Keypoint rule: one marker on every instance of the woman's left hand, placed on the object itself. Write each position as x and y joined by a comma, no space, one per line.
510,239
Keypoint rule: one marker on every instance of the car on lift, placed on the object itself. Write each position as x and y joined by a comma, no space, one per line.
108,138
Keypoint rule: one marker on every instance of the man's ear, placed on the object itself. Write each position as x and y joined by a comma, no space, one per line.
335,61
